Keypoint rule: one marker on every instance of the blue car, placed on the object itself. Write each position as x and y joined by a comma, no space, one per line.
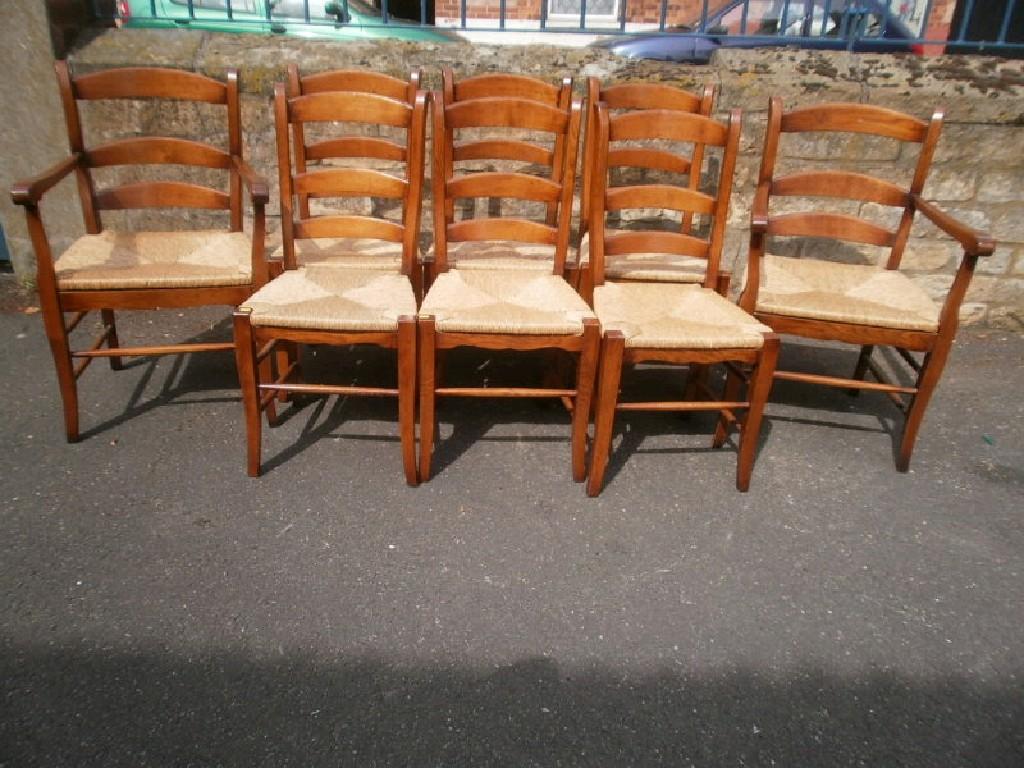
858,25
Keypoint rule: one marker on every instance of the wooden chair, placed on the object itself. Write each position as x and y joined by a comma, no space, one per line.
672,322
347,293
860,304
508,153
107,269
507,308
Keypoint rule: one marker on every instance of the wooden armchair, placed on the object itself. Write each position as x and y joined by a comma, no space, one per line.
108,270
507,308
523,152
672,322
862,304
356,289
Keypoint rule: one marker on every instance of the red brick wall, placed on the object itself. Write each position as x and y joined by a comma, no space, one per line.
646,11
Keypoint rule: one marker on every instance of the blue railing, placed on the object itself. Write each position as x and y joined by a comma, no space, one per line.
987,26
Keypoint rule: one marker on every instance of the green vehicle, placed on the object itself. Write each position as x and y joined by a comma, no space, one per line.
332,19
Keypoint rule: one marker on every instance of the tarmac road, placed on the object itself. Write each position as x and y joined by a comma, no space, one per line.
160,608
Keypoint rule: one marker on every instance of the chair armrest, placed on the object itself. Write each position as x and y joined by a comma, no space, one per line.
257,185
759,209
974,242
30,191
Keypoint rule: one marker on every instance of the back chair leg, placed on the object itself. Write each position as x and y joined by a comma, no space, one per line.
116,363
730,393
245,355
861,368
609,375
60,348
427,385
265,373
586,372
757,395
286,358
931,372
407,396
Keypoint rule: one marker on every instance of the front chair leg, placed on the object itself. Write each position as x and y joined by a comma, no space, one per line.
427,385
248,379
931,371
586,373
757,395
60,348
407,396
608,378
116,363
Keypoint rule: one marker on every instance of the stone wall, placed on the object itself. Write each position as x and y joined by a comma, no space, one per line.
978,173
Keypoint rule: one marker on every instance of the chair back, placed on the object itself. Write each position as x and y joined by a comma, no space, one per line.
643,96
840,203
143,83
495,115
352,111
642,135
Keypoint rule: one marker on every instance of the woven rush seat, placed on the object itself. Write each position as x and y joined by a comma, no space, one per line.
123,260
346,252
326,298
655,267
504,301
498,254
849,293
674,316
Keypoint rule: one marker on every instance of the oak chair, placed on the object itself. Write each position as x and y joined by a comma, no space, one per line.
108,269
521,153
505,308
863,304
673,322
358,289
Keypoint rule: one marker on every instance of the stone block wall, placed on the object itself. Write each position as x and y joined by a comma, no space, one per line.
978,172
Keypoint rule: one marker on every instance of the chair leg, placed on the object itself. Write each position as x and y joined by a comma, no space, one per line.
757,395
427,385
731,392
861,368
286,353
931,372
609,375
407,396
60,348
586,372
266,373
116,363
248,379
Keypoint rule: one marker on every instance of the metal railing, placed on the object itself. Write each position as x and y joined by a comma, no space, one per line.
986,26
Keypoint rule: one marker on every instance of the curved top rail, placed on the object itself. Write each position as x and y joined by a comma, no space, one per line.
150,83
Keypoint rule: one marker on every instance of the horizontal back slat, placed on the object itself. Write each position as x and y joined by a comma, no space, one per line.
150,83
355,146
837,226
515,86
652,159
348,182
356,80
520,186
162,194
622,243
855,118
516,230
844,184
332,106
500,149
658,196
649,96
503,112
153,150
350,226
667,124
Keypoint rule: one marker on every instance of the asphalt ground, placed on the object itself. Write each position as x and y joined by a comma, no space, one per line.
160,608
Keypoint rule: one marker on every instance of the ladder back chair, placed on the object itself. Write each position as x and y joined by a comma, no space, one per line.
673,322
484,148
862,304
110,269
345,294
505,308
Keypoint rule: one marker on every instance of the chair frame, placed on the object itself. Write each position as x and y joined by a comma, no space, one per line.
133,83
935,345
257,343
614,353
513,113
